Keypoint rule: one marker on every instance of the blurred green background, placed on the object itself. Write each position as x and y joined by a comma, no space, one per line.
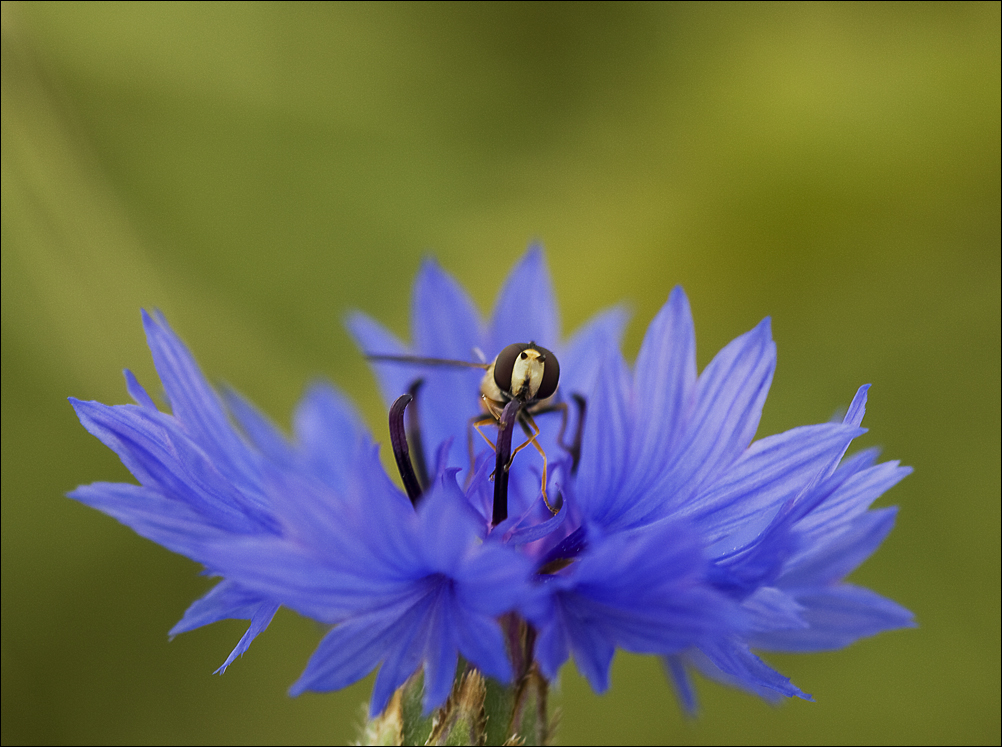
256,170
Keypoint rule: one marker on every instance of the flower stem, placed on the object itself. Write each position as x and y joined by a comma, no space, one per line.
479,710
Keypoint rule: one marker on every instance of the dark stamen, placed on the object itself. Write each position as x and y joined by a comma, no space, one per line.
506,427
548,569
575,449
398,440
564,553
417,443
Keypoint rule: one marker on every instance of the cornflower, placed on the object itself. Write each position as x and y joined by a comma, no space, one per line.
650,520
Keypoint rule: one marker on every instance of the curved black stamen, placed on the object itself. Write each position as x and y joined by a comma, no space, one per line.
575,449
398,440
506,427
417,443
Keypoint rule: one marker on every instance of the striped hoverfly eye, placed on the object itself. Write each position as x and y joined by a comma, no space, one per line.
551,373
504,364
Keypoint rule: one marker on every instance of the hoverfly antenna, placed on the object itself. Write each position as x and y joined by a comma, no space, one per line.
420,360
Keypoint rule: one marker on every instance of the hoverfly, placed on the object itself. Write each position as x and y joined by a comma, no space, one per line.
526,373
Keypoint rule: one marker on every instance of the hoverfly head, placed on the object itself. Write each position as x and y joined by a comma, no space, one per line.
527,372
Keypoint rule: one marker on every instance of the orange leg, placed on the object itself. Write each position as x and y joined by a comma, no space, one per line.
532,431
492,417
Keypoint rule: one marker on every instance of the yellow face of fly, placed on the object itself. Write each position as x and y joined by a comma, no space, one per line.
527,375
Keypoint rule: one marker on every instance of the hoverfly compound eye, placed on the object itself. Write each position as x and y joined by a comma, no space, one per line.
505,363
551,374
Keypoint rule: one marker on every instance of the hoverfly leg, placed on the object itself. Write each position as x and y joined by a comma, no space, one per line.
532,431
475,423
496,409
574,448
492,417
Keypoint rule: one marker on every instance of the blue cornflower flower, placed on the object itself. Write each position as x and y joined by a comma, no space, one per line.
669,531
314,524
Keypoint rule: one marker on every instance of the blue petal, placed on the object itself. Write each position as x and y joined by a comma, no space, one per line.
329,434
524,535
449,525
731,662
582,356
606,443
414,631
480,640
263,434
857,408
224,601
395,671
445,325
639,590
841,553
679,676
137,392
823,491
168,522
259,621
445,322
194,403
354,648
773,609
644,588
440,655
593,651
837,616
731,392
665,387
774,470
372,338
526,308
493,579
853,416
552,647
331,564
758,563
154,448
852,495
